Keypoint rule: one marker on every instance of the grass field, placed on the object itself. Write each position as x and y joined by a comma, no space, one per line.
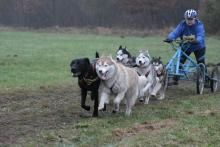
31,60
39,100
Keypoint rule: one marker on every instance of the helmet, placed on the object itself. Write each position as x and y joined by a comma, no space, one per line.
190,13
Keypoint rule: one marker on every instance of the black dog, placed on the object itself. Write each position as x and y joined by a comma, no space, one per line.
87,80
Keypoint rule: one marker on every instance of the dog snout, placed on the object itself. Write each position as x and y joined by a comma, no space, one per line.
140,62
117,58
100,71
73,69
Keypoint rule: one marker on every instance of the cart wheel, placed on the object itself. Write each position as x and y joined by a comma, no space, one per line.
200,79
214,80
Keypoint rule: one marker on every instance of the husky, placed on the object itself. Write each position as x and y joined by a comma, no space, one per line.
118,80
145,67
162,80
123,56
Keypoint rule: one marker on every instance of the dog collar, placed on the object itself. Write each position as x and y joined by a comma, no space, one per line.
90,81
161,74
146,75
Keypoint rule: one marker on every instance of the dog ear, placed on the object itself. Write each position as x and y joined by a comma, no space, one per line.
87,60
147,52
159,58
96,54
110,56
126,48
120,47
141,51
144,51
103,55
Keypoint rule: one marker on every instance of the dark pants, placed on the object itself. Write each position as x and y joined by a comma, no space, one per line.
199,54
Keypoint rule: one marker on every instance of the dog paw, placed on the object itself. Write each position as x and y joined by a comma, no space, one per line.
146,101
95,114
128,112
153,95
142,92
105,108
114,111
116,101
100,108
87,108
160,98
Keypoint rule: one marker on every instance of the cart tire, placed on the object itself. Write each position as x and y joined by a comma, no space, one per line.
200,79
214,83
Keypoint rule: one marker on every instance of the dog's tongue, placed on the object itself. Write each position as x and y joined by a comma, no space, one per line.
141,64
103,76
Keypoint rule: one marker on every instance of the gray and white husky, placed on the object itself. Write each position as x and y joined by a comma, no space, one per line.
117,80
123,56
162,78
146,68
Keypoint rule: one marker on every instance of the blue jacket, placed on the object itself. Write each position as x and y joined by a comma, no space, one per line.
197,29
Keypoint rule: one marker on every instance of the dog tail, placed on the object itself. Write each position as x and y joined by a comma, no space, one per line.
96,54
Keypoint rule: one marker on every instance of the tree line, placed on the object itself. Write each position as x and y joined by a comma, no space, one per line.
136,14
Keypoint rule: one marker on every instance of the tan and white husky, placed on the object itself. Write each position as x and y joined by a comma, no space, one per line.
117,80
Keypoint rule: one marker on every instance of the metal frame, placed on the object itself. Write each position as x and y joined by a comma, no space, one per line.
190,67
175,68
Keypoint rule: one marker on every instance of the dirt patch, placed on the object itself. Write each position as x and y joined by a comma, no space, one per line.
207,113
203,113
143,127
25,114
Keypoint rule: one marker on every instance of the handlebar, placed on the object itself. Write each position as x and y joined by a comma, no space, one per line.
183,44
178,41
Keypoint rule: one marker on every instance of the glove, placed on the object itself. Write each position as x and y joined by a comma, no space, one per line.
168,40
190,38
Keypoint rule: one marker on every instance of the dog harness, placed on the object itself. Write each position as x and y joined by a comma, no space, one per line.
146,75
161,74
90,80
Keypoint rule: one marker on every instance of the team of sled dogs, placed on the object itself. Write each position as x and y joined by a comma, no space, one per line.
127,78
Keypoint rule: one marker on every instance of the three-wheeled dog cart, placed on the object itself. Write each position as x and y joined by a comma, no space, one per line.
190,70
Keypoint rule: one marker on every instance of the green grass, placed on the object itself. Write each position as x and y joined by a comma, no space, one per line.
33,59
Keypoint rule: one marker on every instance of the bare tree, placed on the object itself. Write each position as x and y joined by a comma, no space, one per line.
84,13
